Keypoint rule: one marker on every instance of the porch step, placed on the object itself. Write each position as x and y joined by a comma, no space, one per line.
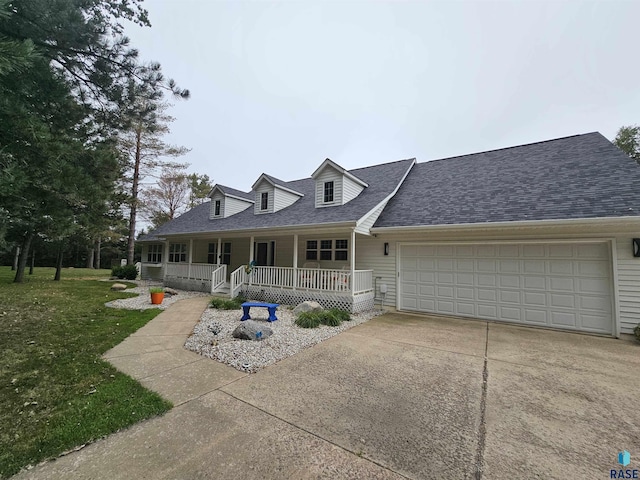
223,291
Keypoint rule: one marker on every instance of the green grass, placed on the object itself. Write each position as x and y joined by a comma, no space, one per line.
55,390
332,318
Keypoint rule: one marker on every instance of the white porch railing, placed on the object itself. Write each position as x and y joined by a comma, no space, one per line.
326,280
218,277
362,281
238,278
195,271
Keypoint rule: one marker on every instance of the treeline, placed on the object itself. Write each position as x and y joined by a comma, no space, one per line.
82,120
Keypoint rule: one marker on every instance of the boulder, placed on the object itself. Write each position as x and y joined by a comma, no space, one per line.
252,330
308,306
118,287
170,291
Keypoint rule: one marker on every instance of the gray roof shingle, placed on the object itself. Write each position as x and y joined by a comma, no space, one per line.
382,179
583,176
232,191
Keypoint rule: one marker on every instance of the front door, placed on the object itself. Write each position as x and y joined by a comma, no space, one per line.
264,253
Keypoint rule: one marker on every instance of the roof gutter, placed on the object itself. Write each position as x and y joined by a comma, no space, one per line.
578,222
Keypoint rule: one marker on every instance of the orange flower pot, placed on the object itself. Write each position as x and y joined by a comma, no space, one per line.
156,298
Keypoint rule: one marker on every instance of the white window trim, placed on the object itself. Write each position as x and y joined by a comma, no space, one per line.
319,249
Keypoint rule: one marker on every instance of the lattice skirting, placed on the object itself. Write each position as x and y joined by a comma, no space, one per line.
293,297
188,284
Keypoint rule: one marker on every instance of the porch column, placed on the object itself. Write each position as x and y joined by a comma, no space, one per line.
353,261
219,252
166,259
190,257
295,261
251,249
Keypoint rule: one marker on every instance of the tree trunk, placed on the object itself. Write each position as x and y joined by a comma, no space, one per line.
97,254
33,261
22,260
58,264
90,257
14,266
134,199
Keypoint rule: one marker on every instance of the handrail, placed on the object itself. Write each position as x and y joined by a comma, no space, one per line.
218,277
237,280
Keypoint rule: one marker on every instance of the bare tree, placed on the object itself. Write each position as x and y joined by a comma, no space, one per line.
168,198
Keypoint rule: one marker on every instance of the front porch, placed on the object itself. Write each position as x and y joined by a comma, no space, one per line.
339,288
286,269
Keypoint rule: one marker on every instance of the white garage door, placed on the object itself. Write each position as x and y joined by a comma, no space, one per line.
557,285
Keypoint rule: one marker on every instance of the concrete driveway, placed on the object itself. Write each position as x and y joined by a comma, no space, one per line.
401,396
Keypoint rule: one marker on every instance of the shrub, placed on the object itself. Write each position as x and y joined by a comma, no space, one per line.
636,332
129,272
227,304
328,318
341,314
308,320
156,289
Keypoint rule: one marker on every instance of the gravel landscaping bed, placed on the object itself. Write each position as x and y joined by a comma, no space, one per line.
249,356
143,300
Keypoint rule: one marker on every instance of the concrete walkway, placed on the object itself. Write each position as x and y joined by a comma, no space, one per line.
400,396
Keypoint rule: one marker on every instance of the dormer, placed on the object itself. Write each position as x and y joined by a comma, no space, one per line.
272,195
335,185
226,201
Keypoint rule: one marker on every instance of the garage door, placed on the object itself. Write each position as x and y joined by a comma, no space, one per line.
561,285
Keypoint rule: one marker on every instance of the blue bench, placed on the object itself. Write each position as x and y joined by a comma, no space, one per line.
246,306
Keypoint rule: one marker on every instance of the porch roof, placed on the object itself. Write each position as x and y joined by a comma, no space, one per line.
382,180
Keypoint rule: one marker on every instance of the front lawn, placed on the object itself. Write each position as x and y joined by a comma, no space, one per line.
55,390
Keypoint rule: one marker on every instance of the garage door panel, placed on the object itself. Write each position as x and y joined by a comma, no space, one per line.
507,296
446,277
488,311
509,281
465,309
532,267
445,307
535,299
558,301
511,314
563,319
560,267
560,285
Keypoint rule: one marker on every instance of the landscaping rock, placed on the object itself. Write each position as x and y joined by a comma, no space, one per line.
251,330
170,291
118,287
308,306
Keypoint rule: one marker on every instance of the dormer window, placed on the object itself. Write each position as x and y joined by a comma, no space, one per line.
264,201
216,211
328,192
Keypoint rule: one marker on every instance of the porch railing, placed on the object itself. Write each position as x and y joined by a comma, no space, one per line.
218,277
238,278
195,271
310,279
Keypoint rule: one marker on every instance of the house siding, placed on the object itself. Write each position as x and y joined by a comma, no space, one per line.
628,272
368,222
282,199
350,189
263,186
327,175
233,206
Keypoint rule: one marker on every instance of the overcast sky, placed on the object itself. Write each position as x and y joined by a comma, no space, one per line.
278,87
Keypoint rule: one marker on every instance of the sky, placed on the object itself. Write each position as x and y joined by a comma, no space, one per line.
277,87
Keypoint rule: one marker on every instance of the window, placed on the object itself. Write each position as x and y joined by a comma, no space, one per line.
264,200
337,250
326,249
216,210
177,252
225,257
312,249
154,255
328,192
342,247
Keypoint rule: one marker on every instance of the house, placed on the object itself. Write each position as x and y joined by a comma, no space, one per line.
539,234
